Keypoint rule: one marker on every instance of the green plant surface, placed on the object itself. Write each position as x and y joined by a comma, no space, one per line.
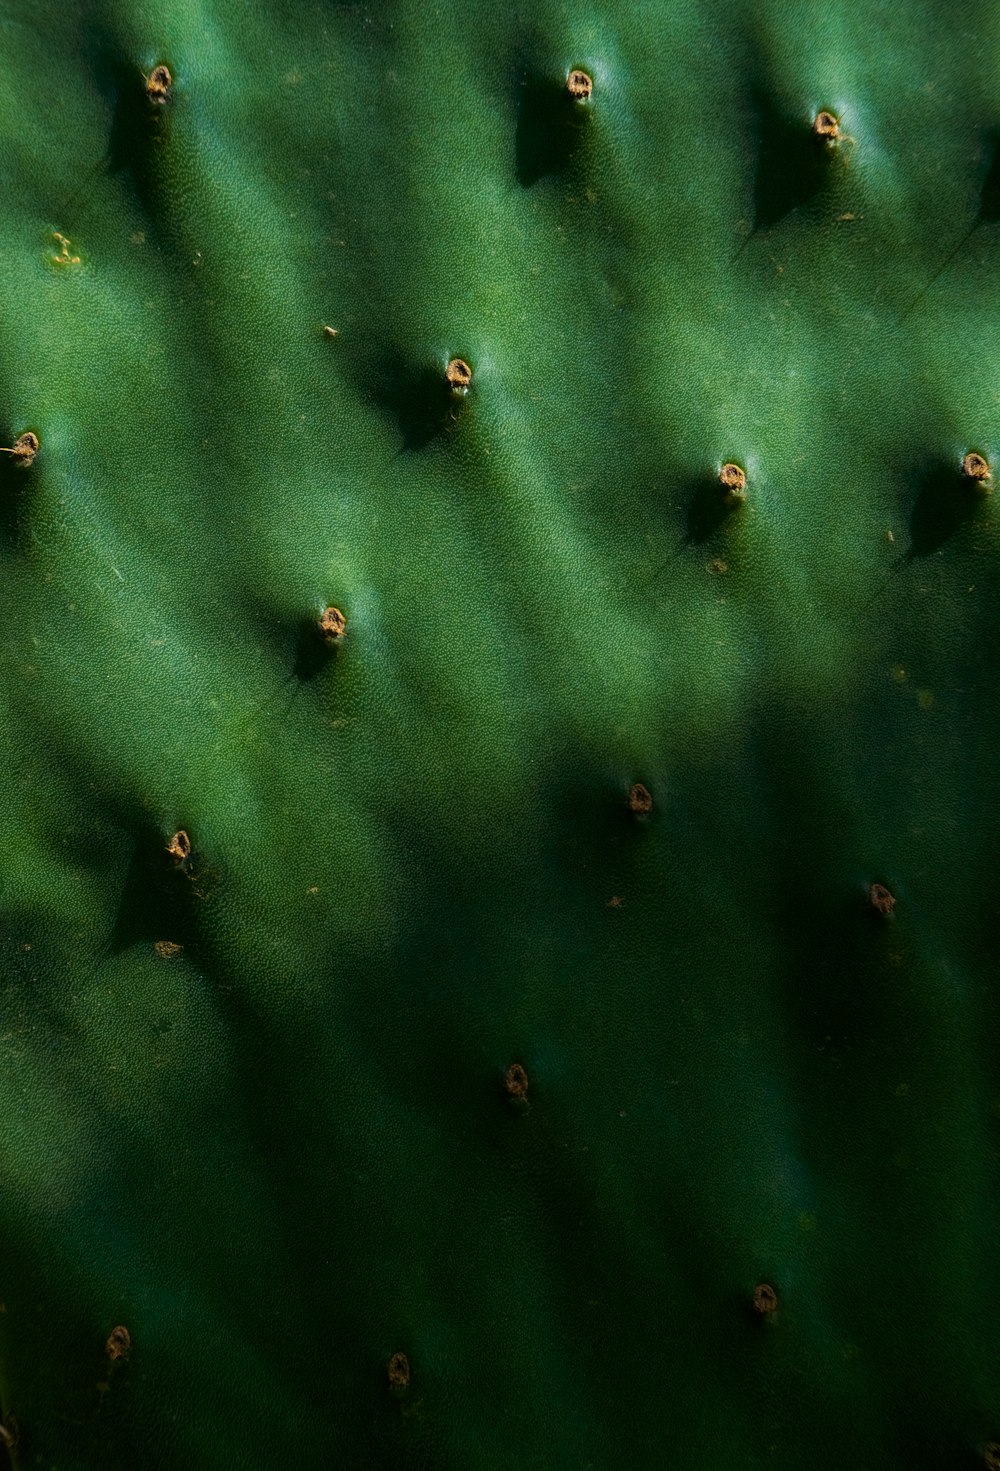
255,1106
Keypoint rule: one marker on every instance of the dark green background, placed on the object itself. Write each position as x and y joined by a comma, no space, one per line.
286,1153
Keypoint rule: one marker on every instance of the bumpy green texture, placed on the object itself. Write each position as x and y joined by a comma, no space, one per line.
253,1105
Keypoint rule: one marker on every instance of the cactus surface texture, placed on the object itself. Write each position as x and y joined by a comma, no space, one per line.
498,849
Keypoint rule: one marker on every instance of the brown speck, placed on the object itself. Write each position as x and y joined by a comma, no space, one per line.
733,479
881,900
579,85
826,125
515,1080
398,1370
717,567
158,85
765,1299
167,948
179,846
615,902
639,799
976,467
119,1343
332,624
329,331
458,375
24,448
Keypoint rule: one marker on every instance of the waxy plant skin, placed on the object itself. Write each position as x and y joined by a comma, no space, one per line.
499,660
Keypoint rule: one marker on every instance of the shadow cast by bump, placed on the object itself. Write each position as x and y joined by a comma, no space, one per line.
551,131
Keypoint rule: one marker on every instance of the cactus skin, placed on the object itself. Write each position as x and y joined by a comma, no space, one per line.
256,1093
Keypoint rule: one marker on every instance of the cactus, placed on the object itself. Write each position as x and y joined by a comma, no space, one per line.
499,581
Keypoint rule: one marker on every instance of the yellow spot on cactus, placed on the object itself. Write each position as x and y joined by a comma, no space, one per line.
64,258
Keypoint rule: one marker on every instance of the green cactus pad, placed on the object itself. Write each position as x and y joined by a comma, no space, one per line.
500,581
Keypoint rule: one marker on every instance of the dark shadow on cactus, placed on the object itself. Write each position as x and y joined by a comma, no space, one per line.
944,502
709,508
418,398
18,491
139,130
160,899
710,513
156,897
792,167
136,127
988,212
926,1446
551,128
989,196
833,939
313,652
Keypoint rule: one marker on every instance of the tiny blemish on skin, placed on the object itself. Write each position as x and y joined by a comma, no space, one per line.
976,467
398,1370
733,479
826,125
516,1081
881,900
25,448
458,375
119,1343
332,624
64,258
765,1299
640,800
158,85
